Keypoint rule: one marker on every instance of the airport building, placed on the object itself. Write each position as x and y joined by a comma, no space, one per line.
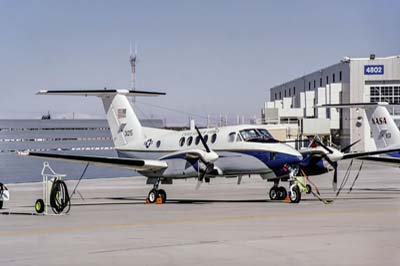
351,80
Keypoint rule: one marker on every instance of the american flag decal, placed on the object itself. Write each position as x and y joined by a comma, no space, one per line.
121,113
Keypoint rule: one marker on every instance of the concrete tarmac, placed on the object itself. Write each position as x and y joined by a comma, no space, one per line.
221,224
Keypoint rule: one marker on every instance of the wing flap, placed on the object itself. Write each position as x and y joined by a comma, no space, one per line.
133,164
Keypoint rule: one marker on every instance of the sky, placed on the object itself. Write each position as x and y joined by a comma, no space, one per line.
210,57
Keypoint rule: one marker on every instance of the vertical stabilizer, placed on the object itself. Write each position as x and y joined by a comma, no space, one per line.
124,124
384,130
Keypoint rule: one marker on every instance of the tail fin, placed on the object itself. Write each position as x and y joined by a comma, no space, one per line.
384,129
122,120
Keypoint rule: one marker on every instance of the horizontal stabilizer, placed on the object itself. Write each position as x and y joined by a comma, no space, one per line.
352,105
100,93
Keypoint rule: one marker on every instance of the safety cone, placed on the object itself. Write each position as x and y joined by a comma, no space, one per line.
159,200
287,199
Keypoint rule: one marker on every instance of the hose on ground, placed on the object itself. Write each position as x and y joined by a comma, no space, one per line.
59,197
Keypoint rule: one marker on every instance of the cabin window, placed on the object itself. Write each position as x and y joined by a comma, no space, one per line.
213,138
197,140
182,141
205,138
272,156
238,138
158,144
189,141
231,137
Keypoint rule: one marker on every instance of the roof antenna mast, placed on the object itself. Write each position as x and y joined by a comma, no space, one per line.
132,61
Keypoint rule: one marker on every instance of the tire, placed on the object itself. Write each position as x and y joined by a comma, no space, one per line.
273,193
308,189
295,195
282,193
152,197
163,195
1,204
39,206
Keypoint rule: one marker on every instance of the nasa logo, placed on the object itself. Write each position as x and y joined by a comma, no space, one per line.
148,143
379,120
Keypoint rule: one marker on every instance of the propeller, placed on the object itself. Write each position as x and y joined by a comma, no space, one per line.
349,146
209,165
334,164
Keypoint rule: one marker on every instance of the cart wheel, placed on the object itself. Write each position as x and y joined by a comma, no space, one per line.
308,189
39,206
1,204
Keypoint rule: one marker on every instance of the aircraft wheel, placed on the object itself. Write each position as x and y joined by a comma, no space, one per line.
308,189
1,204
163,195
295,195
282,193
273,193
153,194
39,206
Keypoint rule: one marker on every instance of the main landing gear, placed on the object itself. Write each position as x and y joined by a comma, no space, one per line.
156,193
280,193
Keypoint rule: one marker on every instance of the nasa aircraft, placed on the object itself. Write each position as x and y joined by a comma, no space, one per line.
163,155
384,130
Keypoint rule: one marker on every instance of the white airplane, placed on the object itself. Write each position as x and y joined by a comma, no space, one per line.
163,155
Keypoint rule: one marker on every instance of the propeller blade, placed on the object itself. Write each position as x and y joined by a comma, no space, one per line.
200,179
202,139
349,146
323,146
334,181
198,184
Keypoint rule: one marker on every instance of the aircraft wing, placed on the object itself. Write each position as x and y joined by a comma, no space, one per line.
368,153
385,160
133,164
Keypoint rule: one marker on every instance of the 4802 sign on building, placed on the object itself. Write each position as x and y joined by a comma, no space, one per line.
373,70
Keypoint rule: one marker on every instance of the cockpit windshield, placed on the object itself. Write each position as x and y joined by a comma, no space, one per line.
257,135
265,133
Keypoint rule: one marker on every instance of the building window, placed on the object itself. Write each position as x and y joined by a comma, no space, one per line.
309,85
294,91
285,93
389,94
320,82
314,83
340,76
327,80
290,92
280,95
276,96
333,77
